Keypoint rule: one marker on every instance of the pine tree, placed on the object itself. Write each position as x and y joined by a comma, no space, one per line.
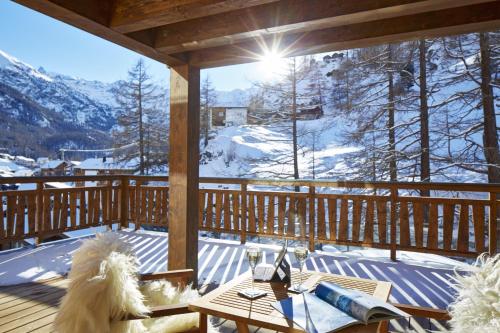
208,99
138,114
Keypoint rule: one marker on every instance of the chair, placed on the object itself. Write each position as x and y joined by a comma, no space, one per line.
107,294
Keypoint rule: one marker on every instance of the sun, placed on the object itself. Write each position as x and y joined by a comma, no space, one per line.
271,64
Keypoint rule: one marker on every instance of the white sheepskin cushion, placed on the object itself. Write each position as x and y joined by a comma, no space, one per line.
104,287
477,307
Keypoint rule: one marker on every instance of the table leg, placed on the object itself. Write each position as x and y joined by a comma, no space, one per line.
383,327
203,323
242,327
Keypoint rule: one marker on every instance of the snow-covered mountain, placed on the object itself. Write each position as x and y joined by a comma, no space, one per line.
42,112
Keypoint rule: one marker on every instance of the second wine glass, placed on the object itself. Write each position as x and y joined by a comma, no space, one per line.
301,253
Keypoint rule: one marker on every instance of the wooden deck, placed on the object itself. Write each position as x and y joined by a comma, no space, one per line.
30,307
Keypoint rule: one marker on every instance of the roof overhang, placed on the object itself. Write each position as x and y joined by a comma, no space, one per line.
211,33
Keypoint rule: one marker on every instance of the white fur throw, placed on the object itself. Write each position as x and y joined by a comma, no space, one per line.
104,287
477,307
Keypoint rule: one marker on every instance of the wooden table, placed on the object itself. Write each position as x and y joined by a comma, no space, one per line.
224,302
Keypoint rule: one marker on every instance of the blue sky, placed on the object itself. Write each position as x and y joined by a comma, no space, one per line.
39,40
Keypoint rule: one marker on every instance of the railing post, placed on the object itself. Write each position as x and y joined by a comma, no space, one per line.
138,205
243,230
39,212
492,225
312,211
124,201
394,207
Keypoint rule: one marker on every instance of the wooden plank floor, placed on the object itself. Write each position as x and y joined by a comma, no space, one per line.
30,307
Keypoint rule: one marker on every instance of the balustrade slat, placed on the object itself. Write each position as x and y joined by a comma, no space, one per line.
218,210
463,229
151,204
368,232
227,212
31,213
64,210
404,224
46,211
344,222
291,218
82,208
143,214
20,215
382,221
56,212
131,202
251,213
418,223
116,204
478,220
97,207
432,230
321,219
332,219
356,218
448,218
260,212
270,215
11,213
235,198
301,206
281,214
72,208
157,203
210,207
3,233
106,210
90,207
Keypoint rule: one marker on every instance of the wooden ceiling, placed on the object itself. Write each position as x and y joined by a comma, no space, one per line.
211,33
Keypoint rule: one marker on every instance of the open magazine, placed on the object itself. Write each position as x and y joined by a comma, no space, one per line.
331,308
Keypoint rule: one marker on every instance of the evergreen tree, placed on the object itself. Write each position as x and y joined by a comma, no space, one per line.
139,120
208,99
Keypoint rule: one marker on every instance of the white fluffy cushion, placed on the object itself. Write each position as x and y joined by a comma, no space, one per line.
477,307
104,287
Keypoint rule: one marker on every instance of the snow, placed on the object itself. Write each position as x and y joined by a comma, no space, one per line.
9,62
100,164
52,164
7,165
53,259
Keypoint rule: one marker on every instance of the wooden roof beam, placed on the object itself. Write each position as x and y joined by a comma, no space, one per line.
286,16
132,15
92,16
482,16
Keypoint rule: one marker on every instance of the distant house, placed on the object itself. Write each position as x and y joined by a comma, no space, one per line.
310,113
103,166
25,161
222,116
54,168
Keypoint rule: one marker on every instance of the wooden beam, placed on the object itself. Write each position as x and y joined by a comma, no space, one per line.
132,15
286,16
92,17
183,168
482,16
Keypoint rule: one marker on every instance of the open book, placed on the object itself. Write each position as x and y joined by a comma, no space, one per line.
331,308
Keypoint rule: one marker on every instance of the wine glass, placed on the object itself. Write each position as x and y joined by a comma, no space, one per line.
254,256
301,253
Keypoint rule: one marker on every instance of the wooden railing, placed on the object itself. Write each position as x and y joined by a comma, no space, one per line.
455,220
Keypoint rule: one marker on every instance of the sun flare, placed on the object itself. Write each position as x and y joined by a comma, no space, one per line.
272,64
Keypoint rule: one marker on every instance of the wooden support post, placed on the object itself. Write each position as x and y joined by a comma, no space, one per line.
124,202
184,168
492,225
394,207
312,214
243,230
39,212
